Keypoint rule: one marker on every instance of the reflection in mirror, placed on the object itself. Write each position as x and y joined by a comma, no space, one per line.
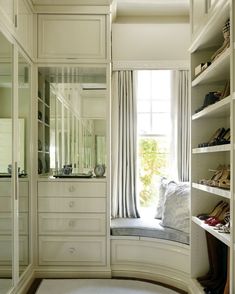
23,164
6,213
77,123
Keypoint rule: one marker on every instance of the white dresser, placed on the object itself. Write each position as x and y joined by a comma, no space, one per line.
72,222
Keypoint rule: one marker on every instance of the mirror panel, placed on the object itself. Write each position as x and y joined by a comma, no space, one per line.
77,118
6,132
23,162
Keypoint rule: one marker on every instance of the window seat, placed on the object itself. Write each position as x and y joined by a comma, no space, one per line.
150,228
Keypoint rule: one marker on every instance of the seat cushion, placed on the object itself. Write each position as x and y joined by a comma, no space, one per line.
150,228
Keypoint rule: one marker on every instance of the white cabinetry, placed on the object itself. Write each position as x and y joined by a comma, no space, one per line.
207,38
77,210
72,37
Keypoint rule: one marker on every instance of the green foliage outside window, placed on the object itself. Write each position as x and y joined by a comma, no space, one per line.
153,161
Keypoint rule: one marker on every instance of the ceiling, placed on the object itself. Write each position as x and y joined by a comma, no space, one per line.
152,7
131,7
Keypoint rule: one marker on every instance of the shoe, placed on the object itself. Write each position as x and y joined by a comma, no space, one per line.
224,181
216,176
225,139
214,211
217,134
218,219
209,99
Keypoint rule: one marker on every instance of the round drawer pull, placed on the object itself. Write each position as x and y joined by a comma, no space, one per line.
71,223
71,189
72,250
71,204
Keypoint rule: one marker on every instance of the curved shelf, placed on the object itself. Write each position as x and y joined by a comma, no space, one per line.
210,32
217,71
223,237
213,190
219,109
217,148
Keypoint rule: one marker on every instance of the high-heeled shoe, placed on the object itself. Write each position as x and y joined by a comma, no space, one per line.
213,221
224,180
216,135
225,139
215,211
215,177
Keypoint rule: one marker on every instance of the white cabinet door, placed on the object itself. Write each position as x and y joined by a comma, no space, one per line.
7,8
71,36
24,29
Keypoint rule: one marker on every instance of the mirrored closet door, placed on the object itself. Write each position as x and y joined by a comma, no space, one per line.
15,92
6,179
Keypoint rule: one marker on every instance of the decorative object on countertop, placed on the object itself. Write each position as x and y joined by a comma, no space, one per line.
67,169
99,170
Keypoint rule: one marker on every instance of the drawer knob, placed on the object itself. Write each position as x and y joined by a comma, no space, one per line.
71,189
72,250
71,223
71,204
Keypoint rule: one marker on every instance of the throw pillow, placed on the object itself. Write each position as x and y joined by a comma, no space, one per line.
161,197
175,212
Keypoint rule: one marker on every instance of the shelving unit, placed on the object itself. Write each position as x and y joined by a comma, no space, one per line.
43,125
205,42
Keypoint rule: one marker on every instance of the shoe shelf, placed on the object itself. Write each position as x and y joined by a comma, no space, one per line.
196,287
213,190
217,148
217,71
207,36
223,237
216,110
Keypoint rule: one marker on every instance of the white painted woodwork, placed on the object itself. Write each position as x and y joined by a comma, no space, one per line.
71,224
69,204
6,204
71,36
71,189
6,250
24,29
148,43
83,251
207,38
5,188
7,8
153,259
6,223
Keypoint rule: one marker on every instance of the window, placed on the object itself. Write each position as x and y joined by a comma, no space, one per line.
154,129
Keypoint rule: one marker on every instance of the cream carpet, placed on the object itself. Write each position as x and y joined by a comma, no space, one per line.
99,286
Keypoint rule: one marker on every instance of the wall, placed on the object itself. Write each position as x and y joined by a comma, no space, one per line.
150,45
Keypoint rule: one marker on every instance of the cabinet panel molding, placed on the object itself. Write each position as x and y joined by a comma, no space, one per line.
71,36
71,204
71,224
72,189
86,251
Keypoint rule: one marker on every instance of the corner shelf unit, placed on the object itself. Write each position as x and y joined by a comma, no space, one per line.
205,42
43,125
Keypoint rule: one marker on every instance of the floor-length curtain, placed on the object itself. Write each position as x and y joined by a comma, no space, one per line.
181,110
124,145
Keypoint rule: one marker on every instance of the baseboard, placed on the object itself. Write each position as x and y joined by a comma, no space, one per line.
171,278
25,282
62,273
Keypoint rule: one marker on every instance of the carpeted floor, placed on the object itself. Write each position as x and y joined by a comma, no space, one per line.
99,286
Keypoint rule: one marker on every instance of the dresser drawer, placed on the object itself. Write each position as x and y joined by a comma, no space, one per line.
86,251
6,223
5,189
6,245
71,224
72,189
5,204
69,204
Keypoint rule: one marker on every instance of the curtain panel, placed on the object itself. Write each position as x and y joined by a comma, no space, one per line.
124,146
181,123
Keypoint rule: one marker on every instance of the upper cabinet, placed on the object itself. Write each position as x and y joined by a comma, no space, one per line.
17,18
79,37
